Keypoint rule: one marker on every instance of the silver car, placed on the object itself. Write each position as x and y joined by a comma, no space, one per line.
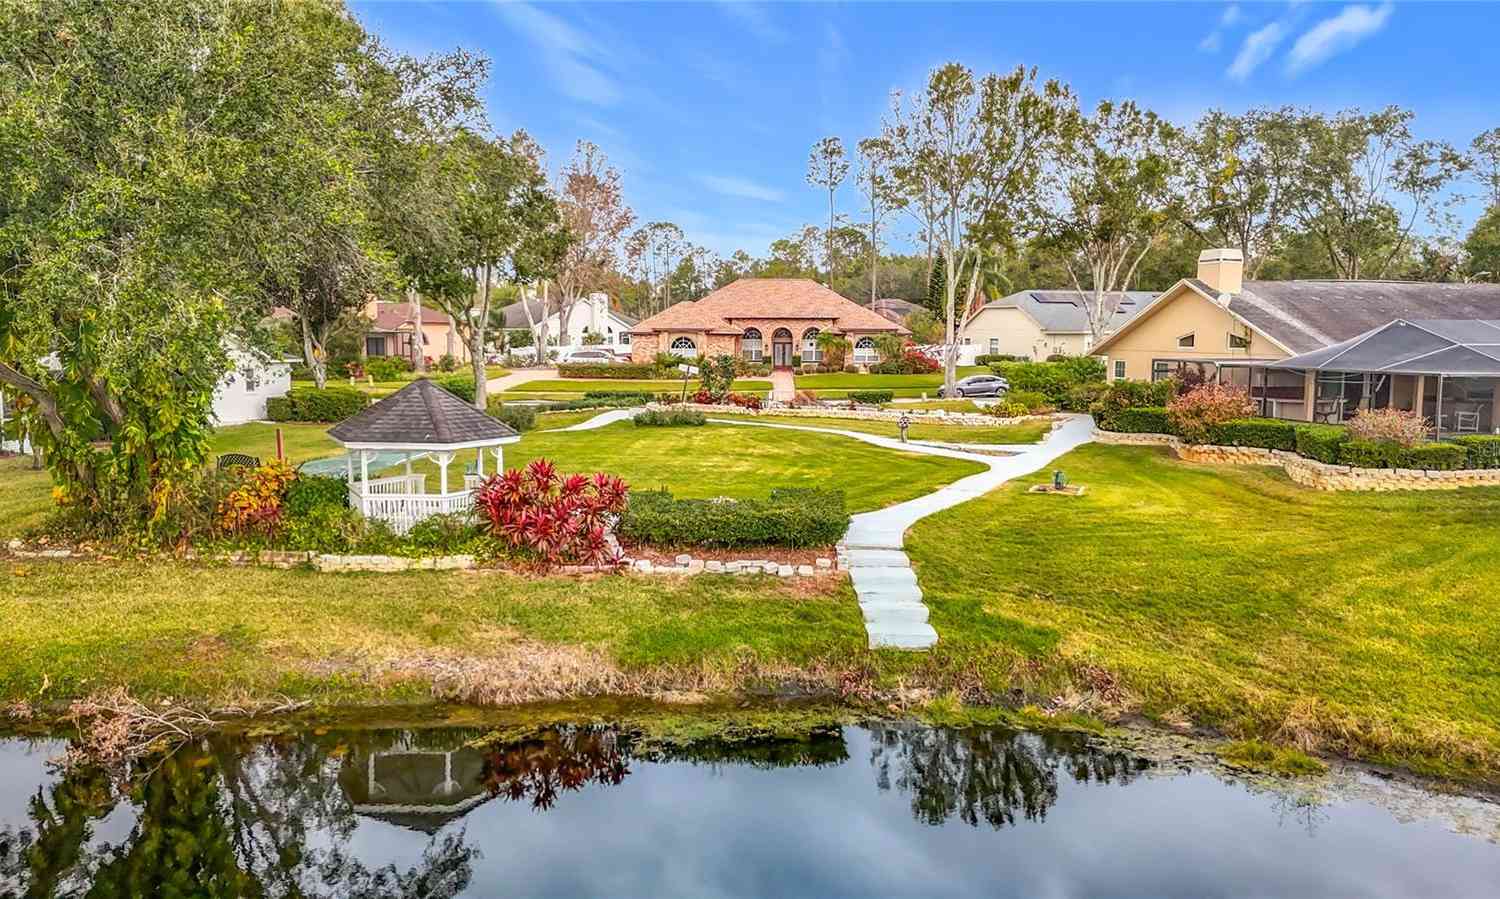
977,385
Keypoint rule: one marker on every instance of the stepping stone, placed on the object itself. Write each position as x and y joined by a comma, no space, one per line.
882,613
901,635
882,579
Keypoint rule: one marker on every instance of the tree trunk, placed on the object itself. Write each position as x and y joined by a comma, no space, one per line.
414,317
313,353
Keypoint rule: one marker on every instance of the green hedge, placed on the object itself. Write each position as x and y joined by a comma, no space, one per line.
872,396
668,418
787,517
1484,449
1321,442
630,371
1033,400
1142,420
330,404
1266,433
460,385
992,358
1373,454
521,417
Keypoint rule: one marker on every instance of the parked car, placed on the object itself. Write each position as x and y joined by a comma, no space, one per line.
592,354
977,385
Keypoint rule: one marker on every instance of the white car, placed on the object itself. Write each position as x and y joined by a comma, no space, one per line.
592,354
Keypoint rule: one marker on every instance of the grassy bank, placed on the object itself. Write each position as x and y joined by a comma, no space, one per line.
1027,432
1359,624
214,634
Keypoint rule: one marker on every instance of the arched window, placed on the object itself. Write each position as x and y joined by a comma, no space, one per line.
750,345
864,351
684,345
810,351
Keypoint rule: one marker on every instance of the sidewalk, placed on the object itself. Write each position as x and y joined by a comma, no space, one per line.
521,376
783,385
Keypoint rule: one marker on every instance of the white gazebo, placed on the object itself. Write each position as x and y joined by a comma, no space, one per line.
420,419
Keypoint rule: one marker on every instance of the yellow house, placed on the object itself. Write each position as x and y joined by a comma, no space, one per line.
1273,338
1035,324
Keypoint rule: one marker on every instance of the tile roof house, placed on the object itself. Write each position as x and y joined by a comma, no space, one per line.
762,319
391,332
1035,324
1268,336
895,309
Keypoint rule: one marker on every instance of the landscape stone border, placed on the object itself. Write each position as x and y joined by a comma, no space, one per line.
1311,472
970,419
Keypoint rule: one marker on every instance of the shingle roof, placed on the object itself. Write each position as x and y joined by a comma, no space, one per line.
1308,315
894,309
729,309
1062,311
515,313
420,414
396,316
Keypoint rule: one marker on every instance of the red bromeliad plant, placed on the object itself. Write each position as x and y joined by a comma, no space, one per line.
553,518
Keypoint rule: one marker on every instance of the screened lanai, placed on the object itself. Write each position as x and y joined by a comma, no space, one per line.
1446,369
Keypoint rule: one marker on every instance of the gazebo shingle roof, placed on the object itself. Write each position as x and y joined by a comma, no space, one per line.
420,414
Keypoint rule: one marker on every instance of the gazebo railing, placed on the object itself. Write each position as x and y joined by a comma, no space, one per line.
404,483
401,511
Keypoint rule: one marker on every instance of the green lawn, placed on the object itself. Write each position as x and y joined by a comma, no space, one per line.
25,498
1364,624
561,386
552,421
217,633
301,440
945,405
846,381
1027,432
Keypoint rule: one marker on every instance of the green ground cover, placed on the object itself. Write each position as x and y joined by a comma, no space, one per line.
1026,432
1357,623
25,498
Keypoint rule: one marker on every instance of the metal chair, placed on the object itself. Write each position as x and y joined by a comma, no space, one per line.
1328,411
230,460
1466,422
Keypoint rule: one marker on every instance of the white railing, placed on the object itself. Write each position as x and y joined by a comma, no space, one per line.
472,481
403,511
405,483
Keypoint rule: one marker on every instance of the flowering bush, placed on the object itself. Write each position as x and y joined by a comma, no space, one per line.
1399,426
256,505
744,400
551,518
703,397
1194,413
911,362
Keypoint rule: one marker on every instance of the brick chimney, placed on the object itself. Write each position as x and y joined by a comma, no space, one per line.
1222,269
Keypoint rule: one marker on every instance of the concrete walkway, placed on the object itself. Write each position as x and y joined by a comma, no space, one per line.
783,385
889,596
520,376
601,420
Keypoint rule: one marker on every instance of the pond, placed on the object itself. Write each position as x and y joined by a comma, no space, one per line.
878,810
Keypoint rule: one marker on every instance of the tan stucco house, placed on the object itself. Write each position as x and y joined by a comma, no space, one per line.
392,332
1035,324
762,319
1296,345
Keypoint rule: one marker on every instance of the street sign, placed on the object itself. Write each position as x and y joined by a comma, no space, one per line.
689,369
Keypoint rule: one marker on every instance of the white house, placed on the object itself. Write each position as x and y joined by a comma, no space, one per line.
591,315
242,392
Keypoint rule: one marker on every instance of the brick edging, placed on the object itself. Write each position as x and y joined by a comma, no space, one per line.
1311,472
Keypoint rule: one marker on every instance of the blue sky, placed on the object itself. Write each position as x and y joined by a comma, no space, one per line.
709,109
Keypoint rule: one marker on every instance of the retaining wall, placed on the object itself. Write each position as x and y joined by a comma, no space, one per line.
1311,472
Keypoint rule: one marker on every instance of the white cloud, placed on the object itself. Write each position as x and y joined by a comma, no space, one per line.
1256,49
1335,35
566,52
1230,17
754,17
731,186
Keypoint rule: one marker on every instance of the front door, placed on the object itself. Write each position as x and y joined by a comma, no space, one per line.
781,353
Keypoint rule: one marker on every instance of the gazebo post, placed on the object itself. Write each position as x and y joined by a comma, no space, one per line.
499,459
443,460
349,469
479,463
364,481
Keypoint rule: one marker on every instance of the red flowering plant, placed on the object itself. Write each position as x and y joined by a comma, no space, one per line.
1195,413
745,400
551,518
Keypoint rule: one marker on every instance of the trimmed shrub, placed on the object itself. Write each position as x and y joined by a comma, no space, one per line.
313,491
387,368
1142,420
1195,413
629,371
787,517
1484,449
311,404
1009,409
1321,442
520,417
1266,433
1055,379
1386,454
911,362
991,358
1122,395
1083,397
1397,426
668,418
619,398
460,385
873,397
1032,401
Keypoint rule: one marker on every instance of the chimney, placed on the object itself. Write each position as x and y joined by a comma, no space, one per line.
371,308
1223,269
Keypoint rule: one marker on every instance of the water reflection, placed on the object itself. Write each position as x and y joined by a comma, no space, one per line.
392,813
987,775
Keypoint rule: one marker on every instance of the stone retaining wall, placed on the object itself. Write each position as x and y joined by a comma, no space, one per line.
935,416
1311,472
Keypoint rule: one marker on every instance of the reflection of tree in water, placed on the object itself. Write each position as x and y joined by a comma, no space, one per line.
987,774
553,761
226,817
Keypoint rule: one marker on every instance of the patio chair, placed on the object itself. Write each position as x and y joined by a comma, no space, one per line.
1466,422
230,460
1328,411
